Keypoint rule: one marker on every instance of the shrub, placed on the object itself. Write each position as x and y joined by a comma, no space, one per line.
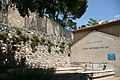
62,47
42,40
3,36
24,38
35,41
18,32
33,45
50,43
16,39
70,44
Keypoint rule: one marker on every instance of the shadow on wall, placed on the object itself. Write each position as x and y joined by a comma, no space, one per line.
50,27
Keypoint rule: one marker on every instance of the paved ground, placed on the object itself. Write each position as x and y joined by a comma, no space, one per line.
115,78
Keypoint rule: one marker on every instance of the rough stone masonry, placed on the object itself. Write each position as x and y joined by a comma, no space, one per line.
53,52
44,55
12,17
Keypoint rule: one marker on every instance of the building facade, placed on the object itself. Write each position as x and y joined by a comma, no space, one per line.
99,44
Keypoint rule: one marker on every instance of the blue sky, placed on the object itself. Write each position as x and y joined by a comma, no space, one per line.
100,10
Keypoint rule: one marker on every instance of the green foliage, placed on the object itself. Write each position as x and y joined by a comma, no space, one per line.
35,41
18,32
34,49
70,44
20,37
71,24
83,26
62,47
10,50
24,6
49,49
36,38
16,39
3,36
93,22
50,43
24,38
30,74
42,40
33,45
61,50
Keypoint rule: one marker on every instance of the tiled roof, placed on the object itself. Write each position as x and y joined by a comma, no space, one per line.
109,24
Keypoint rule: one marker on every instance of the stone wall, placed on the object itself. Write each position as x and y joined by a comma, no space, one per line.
34,22
34,25
3,14
41,57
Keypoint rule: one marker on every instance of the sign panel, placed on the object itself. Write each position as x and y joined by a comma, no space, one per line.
111,57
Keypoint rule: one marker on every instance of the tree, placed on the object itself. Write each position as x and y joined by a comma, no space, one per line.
61,11
71,24
93,22
83,26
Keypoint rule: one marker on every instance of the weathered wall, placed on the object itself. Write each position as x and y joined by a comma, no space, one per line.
42,27
14,18
41,57
3,14
95,47
34,22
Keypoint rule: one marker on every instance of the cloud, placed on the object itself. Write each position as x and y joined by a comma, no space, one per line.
117,16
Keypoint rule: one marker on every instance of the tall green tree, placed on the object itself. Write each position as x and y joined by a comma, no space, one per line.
93,22
83,26
62,11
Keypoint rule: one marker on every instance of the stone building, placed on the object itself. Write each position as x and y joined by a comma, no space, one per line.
99,44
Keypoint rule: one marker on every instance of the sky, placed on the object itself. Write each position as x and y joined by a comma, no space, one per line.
100,10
